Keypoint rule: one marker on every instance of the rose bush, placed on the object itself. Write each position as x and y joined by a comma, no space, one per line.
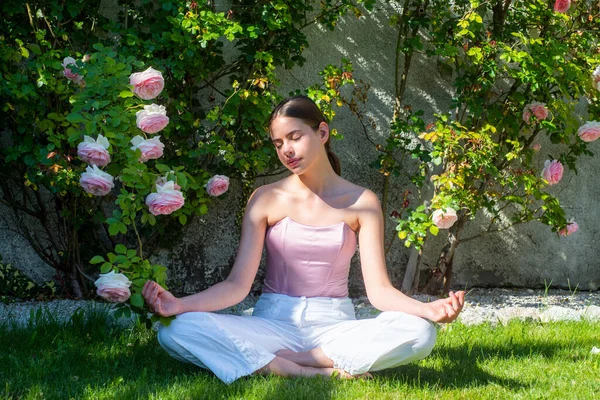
122,66
518,70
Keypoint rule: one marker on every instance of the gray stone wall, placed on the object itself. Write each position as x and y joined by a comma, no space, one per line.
528,255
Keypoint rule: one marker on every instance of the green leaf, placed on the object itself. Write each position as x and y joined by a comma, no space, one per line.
126,93
203,209
121,249
434,230
139,282
97,260
75,118
136,300
182,219
113,229
35,48
105,268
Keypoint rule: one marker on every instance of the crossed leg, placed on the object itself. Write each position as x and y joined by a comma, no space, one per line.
314,359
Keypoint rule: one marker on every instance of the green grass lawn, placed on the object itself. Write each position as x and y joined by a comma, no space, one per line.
95,359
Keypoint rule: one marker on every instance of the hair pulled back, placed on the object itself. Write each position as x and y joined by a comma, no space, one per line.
303,108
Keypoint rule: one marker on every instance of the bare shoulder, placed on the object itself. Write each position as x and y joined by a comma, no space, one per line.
366,200
267,193
368,208
263,199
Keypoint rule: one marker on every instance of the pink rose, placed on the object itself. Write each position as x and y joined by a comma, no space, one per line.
70,75
536,147
538,109
590,131
166,199
217,185
552,172
162,180
96,181
596,78
113,287
562,6
151,149
571,227
147,84
444,219
152,118
94,152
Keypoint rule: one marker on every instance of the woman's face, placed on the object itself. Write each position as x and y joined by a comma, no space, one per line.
297,144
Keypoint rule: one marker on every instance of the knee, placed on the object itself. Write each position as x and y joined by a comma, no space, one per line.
165,336
425,336
179,327
418,332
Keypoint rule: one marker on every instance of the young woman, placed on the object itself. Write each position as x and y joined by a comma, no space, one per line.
304,322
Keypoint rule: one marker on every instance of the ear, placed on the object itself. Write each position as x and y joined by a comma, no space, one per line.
323,131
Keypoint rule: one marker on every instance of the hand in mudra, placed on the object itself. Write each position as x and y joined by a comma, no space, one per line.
160,301
445,310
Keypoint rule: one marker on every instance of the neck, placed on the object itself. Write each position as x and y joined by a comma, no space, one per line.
319,179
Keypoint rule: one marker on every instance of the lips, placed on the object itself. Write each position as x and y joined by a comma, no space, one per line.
292,162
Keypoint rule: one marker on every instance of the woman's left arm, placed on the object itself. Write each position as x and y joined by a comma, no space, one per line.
380,291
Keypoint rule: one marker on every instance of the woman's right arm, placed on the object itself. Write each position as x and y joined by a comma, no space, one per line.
236,287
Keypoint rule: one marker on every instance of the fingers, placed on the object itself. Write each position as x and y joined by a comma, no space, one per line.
461,299
150,293
146,288
158,307
455,301
451,313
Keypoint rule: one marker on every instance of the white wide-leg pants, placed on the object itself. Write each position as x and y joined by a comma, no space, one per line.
232,346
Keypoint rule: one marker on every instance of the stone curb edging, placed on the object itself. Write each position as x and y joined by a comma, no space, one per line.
483,305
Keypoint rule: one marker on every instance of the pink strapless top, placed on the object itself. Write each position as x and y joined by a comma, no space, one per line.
311,261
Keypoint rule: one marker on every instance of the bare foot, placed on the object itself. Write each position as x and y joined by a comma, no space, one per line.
341,374
283,367
285,353
311,358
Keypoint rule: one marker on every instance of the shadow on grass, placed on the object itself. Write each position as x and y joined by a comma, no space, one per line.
91,357
459,365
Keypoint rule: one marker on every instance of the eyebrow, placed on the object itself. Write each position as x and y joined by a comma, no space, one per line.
290,133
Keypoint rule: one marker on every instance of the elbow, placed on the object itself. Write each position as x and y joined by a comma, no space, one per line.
238,290
377,297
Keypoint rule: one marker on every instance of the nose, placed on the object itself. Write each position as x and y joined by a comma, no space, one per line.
287,149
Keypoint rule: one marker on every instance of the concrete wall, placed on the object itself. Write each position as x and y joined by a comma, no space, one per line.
528,255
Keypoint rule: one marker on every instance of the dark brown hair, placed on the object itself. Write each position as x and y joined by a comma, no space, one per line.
303,108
